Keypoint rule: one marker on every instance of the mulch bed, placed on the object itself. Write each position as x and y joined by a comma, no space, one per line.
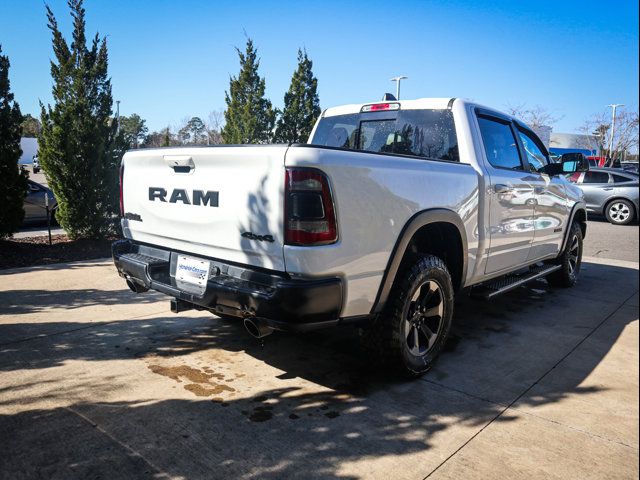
30,251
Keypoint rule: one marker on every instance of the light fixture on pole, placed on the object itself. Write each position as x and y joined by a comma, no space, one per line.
398,80
614,107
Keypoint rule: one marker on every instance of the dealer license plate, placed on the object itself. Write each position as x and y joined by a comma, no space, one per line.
193,270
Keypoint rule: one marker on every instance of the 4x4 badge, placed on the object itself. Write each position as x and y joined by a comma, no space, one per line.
260,238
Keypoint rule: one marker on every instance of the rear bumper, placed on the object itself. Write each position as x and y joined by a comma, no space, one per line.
283,303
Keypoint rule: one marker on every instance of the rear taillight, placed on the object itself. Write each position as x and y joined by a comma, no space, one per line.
309,215
121,186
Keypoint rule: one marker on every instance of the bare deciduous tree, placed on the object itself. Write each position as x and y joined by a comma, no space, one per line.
214,126
625,139
535,117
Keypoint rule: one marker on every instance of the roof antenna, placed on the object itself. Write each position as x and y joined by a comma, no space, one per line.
398,80
388,97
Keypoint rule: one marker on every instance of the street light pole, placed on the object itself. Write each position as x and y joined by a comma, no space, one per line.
117,116
398,80
614,106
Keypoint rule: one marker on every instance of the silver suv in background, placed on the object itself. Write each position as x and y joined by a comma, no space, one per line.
611,192
631,167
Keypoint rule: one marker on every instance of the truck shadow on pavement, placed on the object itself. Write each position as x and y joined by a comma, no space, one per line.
308,406
284,433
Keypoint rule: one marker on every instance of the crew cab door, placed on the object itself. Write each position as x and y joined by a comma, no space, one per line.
550,207
511,195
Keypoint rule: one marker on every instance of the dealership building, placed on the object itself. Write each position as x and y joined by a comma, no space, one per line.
564,142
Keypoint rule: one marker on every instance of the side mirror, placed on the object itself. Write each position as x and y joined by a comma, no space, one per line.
569,163
574,162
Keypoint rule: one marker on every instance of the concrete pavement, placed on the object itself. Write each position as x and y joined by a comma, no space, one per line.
38,177
98,382
604,240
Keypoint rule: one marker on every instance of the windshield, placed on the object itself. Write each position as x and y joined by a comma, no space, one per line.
424,133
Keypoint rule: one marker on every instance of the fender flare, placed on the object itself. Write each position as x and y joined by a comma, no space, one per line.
419,220
576,207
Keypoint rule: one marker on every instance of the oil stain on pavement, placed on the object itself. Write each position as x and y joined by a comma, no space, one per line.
206,382
201,383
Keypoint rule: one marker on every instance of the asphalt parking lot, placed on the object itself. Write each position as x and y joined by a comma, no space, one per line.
96,382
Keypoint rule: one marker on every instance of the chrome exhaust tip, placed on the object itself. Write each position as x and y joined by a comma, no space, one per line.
257,328
135,287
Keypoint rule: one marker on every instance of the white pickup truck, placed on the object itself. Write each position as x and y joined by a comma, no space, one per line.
390,209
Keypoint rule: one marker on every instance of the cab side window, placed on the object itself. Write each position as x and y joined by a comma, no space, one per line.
535,156
499,144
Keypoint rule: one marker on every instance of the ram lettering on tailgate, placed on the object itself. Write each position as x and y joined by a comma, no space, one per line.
199,197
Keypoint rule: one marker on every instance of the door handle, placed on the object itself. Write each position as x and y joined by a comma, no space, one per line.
179,163
502,188
608,188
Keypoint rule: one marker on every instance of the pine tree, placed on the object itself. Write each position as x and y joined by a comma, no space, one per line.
134,130
30,126
79,148
166,139
249,117
301,104
13,181
193,132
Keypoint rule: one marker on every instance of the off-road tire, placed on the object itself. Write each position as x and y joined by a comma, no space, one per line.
624,212
385,339
570,260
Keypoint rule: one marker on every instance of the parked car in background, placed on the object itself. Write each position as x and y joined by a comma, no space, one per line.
35,164
35,210
595,162
631,167
610,192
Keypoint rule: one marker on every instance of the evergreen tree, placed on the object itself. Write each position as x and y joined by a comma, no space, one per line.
79,149
30,126
166,141
158,139
249,117
301,104
194,132
13,180
134,130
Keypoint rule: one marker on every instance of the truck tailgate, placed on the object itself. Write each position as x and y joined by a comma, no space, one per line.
220,202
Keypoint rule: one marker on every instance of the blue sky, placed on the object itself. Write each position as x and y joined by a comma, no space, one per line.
172,59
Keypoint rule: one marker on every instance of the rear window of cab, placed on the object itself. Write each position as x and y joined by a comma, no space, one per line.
429,134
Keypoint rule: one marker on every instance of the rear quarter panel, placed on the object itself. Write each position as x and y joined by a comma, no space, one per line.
375,195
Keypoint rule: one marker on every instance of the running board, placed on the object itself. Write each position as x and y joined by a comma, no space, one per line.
507,283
